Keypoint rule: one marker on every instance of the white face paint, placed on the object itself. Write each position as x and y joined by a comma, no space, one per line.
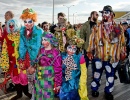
28,23
106,15
71,49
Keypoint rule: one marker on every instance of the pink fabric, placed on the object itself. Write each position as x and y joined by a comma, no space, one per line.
64,38
82,60
46,61
20,79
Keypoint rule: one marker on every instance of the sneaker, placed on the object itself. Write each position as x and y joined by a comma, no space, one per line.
109,96
95,93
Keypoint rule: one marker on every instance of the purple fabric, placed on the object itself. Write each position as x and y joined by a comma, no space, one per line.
47,61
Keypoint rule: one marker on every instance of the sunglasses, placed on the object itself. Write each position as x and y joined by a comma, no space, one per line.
97,15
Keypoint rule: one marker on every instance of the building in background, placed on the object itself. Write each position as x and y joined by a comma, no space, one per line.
122,15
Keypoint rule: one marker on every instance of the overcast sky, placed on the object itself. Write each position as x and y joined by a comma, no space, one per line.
44,8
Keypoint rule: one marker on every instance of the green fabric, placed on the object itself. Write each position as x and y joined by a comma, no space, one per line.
44,86
78,33
85,33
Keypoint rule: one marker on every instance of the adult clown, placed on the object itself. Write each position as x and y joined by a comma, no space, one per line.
108,41
9,63
30,42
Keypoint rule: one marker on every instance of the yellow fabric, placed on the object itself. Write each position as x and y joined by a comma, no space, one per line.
15,37
83,83
108,51
70,33
4,59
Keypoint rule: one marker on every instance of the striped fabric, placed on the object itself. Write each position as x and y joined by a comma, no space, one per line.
107,48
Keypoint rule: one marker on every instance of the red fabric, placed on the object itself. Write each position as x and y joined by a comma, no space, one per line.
30,33
26,62
12,61
3,35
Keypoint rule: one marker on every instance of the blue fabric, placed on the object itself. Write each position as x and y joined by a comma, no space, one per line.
72,95
128,30
108,74
72,84
31,45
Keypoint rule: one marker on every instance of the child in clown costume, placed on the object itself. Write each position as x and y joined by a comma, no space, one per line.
48,69
74,72
30,42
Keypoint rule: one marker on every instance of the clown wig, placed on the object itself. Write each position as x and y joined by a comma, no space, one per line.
14,23
29,14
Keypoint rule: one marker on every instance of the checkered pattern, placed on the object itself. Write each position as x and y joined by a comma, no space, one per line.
43,88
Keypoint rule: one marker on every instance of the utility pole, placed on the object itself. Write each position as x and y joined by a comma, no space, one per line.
53,14
68,10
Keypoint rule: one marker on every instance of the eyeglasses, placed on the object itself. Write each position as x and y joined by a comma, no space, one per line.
61,18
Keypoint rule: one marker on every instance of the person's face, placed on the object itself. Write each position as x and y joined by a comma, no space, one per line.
45,27
28,23
71,49
45,42
95,16
125,27
7,16
106,15
61,19
11,27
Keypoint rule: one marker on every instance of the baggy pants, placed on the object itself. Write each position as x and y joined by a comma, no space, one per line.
110,72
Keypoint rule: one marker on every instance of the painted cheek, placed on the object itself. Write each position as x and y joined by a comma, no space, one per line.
45,43
70,53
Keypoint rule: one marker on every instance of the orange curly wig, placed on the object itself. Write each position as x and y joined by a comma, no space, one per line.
29,14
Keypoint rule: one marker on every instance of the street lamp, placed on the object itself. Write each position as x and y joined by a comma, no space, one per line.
73,17
68,10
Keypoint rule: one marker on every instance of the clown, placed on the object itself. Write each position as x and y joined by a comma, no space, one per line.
9,49
74,72
48,69
30,42
108,42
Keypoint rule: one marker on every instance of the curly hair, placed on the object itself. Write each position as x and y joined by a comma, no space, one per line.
28,15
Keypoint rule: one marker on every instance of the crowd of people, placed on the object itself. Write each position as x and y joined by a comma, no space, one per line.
57,56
